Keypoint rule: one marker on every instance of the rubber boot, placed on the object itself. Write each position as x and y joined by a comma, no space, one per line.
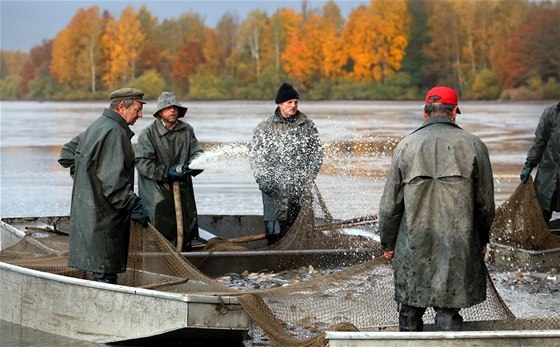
448,319
269,232
410,318
110,278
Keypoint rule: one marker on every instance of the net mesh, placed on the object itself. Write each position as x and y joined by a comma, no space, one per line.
357,298
519,222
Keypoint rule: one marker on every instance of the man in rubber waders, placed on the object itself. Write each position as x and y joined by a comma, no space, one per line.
165,149
546,154
286,152
435,217
101,162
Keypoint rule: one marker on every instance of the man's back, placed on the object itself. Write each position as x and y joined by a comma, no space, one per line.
442,214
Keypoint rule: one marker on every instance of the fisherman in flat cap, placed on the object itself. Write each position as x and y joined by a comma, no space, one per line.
285,154
101,162
164,152
435,216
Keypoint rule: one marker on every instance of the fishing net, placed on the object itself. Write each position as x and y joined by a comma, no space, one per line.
519,222
356,298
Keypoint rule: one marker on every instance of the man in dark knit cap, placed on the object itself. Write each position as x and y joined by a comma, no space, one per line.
286,151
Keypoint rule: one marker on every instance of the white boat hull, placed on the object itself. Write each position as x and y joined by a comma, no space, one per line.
99,312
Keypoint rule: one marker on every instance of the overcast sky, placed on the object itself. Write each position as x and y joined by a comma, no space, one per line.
25,23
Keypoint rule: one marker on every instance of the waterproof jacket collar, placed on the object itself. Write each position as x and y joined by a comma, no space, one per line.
162,130
297,119
434,120
120,121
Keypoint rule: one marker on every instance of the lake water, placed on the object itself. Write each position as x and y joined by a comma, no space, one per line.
357,138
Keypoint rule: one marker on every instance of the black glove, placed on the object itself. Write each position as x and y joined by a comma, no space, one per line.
192,172
526,172
176,172
139,214
267,187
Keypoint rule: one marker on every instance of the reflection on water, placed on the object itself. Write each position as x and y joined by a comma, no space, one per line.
358,139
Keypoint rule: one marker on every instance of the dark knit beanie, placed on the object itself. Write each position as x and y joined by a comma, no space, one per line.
285,93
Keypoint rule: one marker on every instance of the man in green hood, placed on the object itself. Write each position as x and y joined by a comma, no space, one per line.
164,151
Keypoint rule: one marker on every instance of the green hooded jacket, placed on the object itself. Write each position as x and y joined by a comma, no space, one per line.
157,150
435,213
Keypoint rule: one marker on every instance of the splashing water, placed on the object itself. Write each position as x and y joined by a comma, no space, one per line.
218,156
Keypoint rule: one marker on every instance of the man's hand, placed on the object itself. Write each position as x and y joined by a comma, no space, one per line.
267,187
389,255
526,172
176,172
139,214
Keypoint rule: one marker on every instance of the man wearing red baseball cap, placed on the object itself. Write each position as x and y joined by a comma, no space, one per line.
435,216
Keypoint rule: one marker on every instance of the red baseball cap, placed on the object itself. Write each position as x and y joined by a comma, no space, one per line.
444,95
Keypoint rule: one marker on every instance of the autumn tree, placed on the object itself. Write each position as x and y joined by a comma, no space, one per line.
150,51
37,65
188,59
76,50
415,60
375,39
122,43
444,47
303,56
220,49
251,37
283,25
172,34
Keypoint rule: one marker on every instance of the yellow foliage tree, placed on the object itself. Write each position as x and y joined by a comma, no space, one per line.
375,39
122,43
76,53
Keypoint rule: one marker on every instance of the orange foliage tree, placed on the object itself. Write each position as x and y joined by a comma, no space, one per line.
76,50
188,59
375,39
122,42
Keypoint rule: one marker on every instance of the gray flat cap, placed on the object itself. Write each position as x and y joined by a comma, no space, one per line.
127,93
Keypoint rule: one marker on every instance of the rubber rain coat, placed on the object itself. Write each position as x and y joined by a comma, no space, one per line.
157,150
546,154
435,213
102,195
281,154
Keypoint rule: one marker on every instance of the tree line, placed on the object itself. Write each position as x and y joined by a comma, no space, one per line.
387,50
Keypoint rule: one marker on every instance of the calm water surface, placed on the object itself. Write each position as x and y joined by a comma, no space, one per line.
357,136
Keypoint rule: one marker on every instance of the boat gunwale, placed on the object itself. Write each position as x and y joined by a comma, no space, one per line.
440,335
187,298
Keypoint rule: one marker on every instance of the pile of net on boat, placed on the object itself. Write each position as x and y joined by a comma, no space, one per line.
358,298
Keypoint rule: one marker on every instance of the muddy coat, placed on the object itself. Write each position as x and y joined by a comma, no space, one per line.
102,195
546,154
157,150
436,211
281,153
